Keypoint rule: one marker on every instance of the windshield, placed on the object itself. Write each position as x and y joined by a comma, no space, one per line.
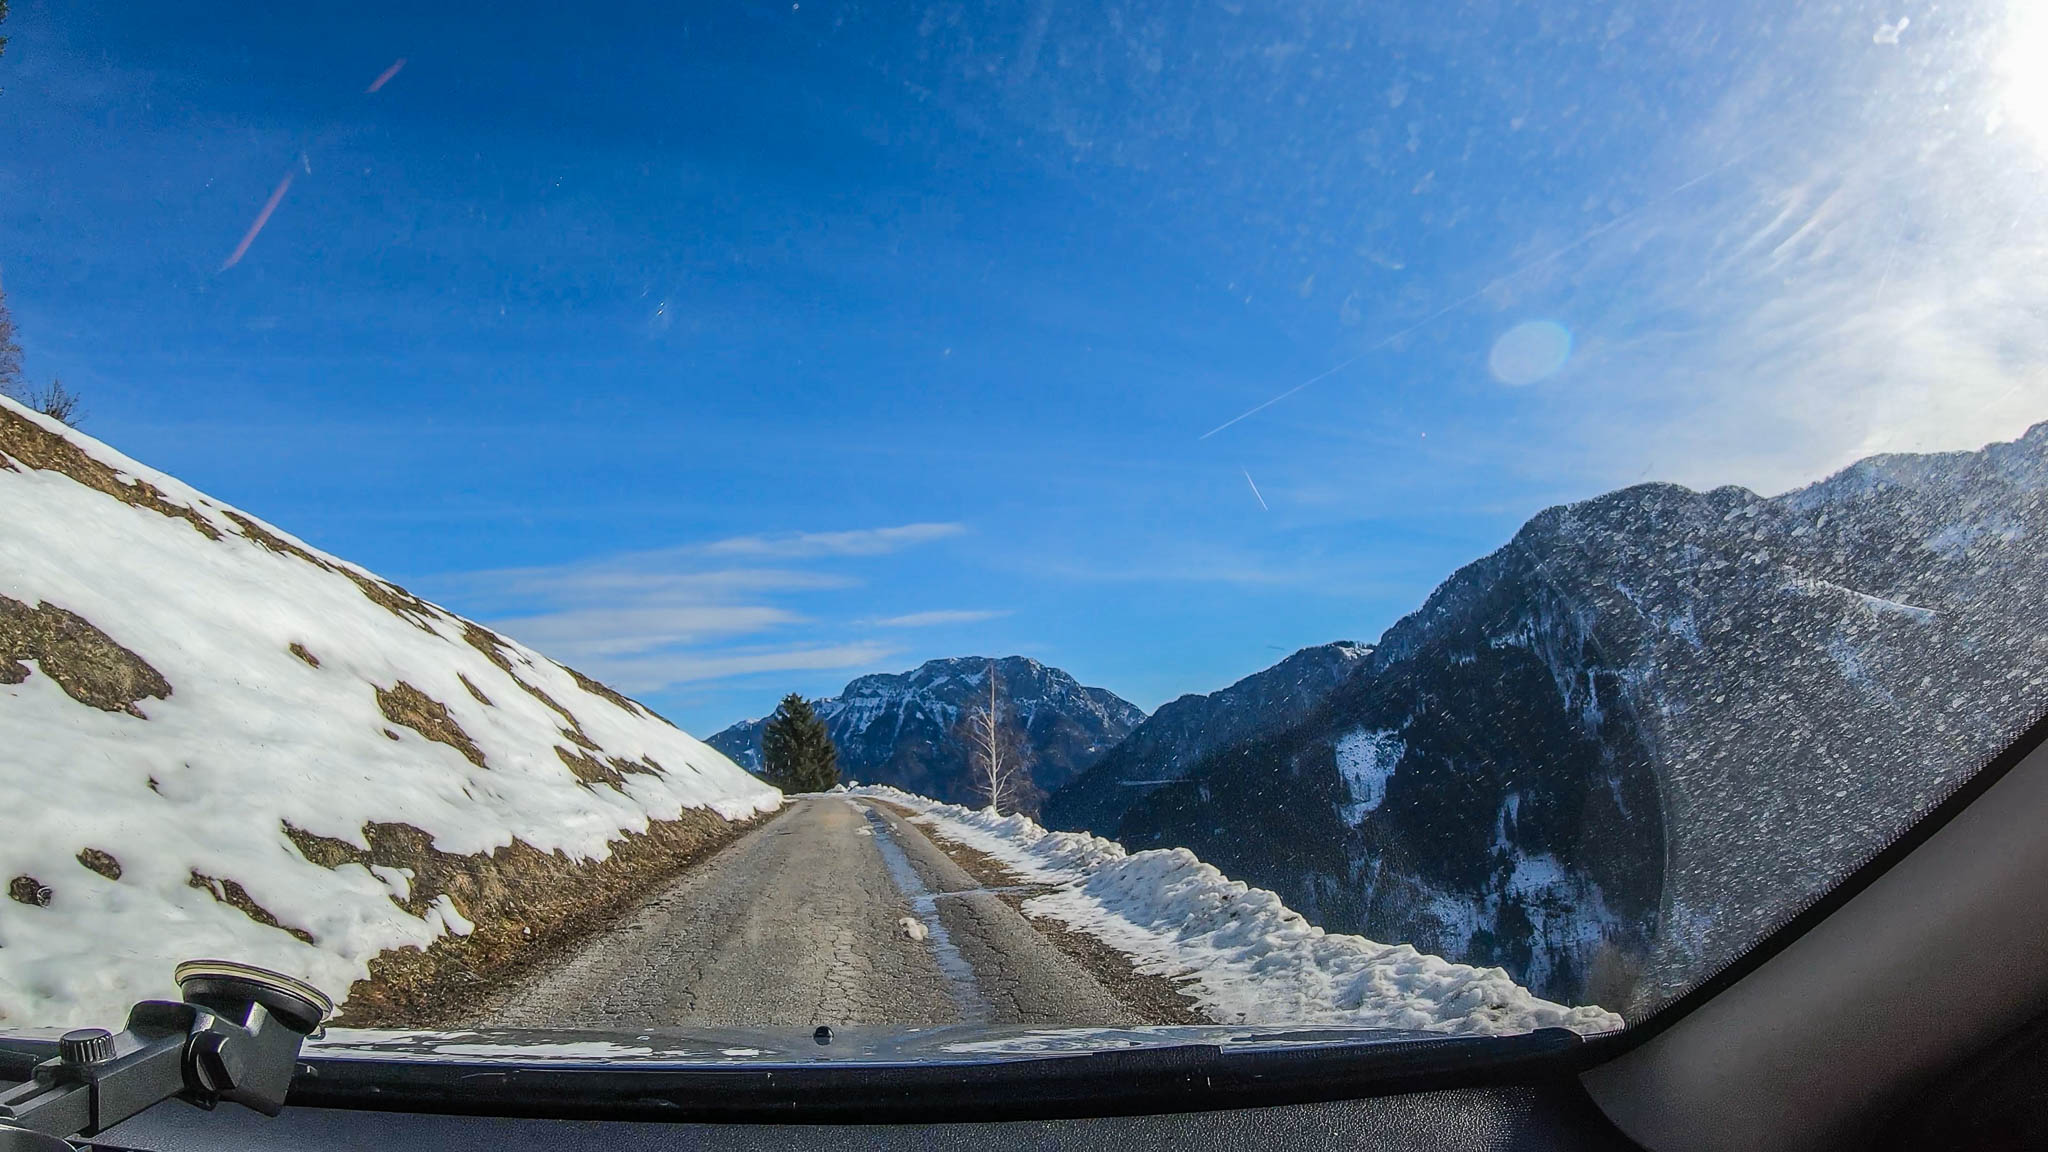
1443,519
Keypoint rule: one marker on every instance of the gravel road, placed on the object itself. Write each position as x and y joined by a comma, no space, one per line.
835,912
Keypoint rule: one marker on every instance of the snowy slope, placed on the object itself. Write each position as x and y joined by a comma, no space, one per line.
162,719
1252,960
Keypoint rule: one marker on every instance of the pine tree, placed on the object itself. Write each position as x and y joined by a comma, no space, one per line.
796,750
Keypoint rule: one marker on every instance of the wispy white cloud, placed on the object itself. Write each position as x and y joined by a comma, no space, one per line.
862,542
939,618
653,673
652,619
641,576
601,633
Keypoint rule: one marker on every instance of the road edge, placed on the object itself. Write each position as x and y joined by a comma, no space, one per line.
1160,1000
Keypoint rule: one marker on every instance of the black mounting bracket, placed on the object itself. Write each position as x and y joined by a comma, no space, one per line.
234,1037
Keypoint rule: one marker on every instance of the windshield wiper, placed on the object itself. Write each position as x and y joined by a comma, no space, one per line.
237,1037
926,1080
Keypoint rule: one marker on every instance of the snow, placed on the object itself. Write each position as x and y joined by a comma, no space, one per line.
1366,760
1956,541
1249,958
252,738
1875,605
427,1047
1880,606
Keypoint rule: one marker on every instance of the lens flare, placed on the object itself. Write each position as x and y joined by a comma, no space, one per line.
1529,351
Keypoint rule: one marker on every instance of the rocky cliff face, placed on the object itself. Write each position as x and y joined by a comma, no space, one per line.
1618,750
1175,738
901,729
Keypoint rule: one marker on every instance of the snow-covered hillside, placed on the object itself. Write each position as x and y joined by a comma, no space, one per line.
1246,957
217,741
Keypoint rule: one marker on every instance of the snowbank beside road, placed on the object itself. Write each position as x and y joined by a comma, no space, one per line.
1252,960
218,741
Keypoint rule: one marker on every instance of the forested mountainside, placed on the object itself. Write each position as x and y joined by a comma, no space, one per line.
1174,738
1613,752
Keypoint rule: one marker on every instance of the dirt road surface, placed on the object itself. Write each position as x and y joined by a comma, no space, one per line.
836,912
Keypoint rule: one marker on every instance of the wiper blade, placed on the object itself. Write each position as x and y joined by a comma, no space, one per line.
724,1046
934,1075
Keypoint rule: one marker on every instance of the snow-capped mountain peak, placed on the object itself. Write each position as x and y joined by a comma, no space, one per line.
900,728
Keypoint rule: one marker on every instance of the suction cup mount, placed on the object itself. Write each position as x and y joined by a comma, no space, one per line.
235,1037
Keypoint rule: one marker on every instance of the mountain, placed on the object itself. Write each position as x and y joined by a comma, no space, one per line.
900,728
216,740
1173,739
1613,753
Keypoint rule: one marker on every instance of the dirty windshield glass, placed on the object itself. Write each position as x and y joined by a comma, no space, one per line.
991,516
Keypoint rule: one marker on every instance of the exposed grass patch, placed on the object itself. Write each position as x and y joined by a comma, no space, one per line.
589,770
383,593
475,692
488,642
83,660
632,707
612,770
395,600
406,705
278,544
527,906
101,862
299,650
30,891
235,896
39,448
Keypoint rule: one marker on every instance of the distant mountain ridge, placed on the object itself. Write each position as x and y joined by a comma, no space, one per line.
1173,739
900,728
1615,751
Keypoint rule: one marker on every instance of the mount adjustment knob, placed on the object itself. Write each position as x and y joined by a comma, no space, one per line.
82,1047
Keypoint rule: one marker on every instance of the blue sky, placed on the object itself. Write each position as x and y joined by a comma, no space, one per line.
728,349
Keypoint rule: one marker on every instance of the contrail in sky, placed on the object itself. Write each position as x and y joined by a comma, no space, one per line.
1255,490
262,218
385,76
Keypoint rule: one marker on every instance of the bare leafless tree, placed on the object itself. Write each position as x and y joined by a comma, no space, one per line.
10,348
1002,769
56,401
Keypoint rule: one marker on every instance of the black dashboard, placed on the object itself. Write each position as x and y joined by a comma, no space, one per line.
1546,1116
